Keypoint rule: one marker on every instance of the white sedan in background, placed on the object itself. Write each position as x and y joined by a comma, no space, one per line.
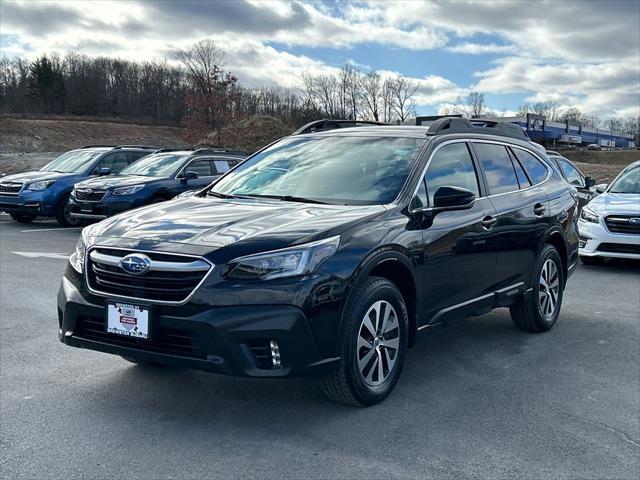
609,225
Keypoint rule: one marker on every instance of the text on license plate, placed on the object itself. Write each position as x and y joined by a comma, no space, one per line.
128,320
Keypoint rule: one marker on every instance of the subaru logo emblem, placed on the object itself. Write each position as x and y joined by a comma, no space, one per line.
135,264
88,190
634,221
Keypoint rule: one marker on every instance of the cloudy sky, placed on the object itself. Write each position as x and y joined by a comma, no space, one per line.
579,53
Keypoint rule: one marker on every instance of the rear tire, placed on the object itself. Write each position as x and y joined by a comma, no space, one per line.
591,260
538,312
373,344
63,214
22,218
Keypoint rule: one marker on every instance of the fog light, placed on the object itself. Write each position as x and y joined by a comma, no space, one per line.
275,354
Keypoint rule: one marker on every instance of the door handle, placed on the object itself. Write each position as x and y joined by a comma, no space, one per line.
488,222
538,209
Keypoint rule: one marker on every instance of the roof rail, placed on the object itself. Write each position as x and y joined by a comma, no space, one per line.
98,146
144,147
327,124
228,151
161,150
485,127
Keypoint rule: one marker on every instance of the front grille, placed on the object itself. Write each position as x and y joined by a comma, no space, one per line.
10,188
619,248
623,224
163,340
170,279
89,194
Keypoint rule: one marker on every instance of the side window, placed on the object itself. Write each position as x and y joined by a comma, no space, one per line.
523,180
498,169
222,166
571,173
135,155
535,169
201,167
451,166
114,161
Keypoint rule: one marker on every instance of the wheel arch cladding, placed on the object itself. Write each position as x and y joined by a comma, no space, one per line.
402,277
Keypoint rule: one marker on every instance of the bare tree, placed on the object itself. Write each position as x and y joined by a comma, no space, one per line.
475,104
371,95
402,90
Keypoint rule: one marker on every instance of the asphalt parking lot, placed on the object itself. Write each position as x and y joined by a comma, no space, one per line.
478,398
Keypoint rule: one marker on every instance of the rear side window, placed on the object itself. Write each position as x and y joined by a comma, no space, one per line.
223,166
498,169
451,166
535,169
522,176
135,155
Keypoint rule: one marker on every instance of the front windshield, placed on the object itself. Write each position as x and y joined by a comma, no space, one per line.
628,182
158,165
73,161
356,170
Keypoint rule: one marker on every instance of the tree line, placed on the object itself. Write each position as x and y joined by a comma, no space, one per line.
200,94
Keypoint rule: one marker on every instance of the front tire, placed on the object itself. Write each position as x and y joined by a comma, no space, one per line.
538,312
373,345
63,214
22,218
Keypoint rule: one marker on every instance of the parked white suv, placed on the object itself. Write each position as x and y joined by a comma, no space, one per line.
609,225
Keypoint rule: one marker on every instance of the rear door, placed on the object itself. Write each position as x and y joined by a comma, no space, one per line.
522,206
459,253
221,166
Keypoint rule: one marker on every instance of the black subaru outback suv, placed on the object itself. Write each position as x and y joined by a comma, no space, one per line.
327,253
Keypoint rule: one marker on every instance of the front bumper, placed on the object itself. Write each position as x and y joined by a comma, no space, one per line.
597,241
26,203
227,340
99,210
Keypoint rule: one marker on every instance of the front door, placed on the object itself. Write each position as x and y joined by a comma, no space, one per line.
460,250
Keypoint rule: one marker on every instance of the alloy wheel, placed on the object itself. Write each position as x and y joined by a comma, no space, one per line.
549,288
378,343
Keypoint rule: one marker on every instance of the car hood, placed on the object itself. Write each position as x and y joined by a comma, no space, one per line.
256,225
30,177
113,181
619,203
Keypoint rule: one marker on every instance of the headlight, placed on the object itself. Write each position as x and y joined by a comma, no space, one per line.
77,257
39,186
288,262
589,215
127,190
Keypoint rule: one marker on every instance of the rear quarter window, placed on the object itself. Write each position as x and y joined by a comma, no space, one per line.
536,170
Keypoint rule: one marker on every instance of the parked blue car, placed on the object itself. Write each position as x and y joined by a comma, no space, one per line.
158,177
45,193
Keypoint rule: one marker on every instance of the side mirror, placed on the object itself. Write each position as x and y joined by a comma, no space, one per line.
601,187
453,198
103,171
589,182
190,175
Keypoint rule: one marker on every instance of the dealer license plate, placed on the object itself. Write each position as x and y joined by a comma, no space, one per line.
128,320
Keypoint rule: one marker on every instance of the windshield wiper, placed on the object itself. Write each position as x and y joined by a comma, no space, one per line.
220,195
287,198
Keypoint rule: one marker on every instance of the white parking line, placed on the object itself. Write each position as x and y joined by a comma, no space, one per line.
57,256
51,229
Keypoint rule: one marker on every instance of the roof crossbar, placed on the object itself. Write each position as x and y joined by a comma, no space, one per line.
482,127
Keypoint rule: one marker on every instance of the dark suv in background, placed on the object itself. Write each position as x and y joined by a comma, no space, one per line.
45,193
158,177
327,253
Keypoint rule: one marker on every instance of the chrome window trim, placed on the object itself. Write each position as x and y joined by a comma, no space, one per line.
124,298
